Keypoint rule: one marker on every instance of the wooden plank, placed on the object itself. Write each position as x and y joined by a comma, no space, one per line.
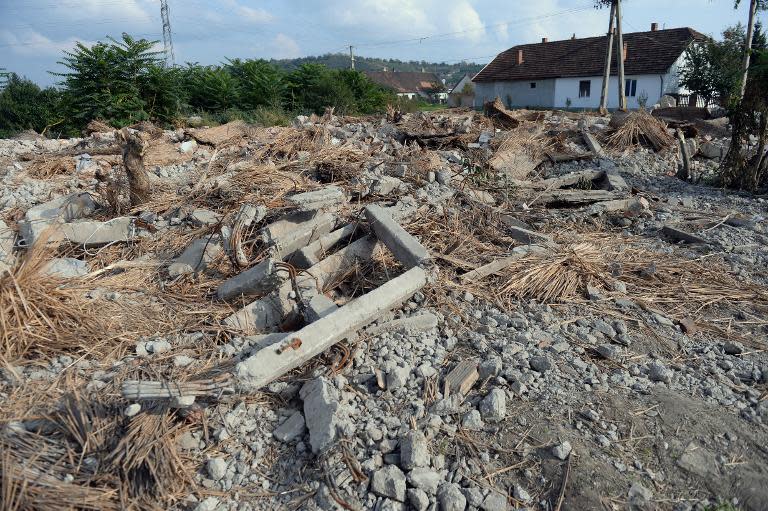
461,379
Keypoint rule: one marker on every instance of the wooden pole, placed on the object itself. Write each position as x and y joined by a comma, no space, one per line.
748,47
607,67
620,56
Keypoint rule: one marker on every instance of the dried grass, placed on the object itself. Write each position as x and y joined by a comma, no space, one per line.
45,168
637,128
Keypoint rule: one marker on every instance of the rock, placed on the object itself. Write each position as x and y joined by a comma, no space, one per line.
414,451
609,351
322,412
66,267
540,364
493,407
425,479
62,209
195,121
293,427
698,460
659,372
398,377
209,504
639,496
444,177
495,502
489,367
450,498
667,101
711,151
389,481
418,499
188,146
521,494
132,409
217,468
474,496
195,257
562,451
203,217
472,420
593,293
188,442
733,348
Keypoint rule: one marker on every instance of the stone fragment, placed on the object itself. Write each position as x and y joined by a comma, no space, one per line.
450,497
66,268
540,364
418,499
293,427
493,407
132,409
472,420
195,257
60,210
322,412
217,468
188,146
414,451
389,481
521,494
490,367
562,451
424,479
203,217
659,372
495,502
639,496
7,240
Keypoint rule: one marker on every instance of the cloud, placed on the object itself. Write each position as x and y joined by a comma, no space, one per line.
246,13
389,18
31,43
283,47
462,17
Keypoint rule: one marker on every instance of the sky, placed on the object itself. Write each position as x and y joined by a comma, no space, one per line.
34,33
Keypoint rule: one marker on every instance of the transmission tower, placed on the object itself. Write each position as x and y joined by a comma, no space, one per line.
170,58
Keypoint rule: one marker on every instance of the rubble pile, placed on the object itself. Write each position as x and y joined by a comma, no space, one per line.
445,311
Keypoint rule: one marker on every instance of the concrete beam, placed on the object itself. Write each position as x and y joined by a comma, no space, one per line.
258,280
312,253
286,236
405,247
324,198
298,347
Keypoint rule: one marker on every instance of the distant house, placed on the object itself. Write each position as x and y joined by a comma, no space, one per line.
411,84
463,93
569,73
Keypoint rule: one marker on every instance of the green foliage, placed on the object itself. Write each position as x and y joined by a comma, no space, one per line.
163,92
24,106
104,81
211,88
260,83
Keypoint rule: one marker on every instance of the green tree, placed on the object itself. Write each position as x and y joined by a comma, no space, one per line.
104,81
211,88
25,106
163,92
260,83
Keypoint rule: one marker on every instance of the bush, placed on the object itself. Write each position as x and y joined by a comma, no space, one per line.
24,106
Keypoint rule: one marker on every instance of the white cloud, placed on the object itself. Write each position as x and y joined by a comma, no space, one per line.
283,47
32,43
462,17
246,13
385,18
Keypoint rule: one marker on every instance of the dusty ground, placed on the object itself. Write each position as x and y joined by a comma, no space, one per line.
619,368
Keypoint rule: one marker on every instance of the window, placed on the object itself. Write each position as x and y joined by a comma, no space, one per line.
584,88
630,88
533,85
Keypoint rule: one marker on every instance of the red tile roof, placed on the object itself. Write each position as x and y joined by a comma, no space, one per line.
647,53
406,81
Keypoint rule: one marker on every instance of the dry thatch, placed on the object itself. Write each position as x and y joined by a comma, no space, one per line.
637,128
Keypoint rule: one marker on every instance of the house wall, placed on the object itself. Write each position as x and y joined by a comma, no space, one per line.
517,94
654,86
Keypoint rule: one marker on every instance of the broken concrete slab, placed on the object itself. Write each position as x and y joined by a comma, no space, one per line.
416,323
293,427
274,361
592,143
318,307
614,182
576,197
296,231
7,240
60,210
195,257
679,235
529,237
322,410
94,234
405,247
630,207
329,197
258,280
385,185
203,217
312,253
268,312
66,267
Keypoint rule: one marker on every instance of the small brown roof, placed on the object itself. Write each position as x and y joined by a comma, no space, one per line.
405,81
647,53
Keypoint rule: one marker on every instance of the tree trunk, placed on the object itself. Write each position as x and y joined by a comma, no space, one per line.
133,159
748,47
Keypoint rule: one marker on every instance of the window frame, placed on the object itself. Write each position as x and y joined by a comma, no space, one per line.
630,87
533,85
585,93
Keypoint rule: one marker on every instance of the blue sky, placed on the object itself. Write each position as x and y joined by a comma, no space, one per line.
33,33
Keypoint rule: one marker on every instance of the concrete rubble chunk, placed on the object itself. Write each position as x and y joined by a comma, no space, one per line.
203,217
528,237
95,234
217,468
322,412
416,323
293,427
450,497
60,210
312,254
405,247
274,361
424,479
562,451
389,481
318,307
495,502
414,450
66,267
493,407
328,197
290,234
7,240
385,185
257,280
418,499
195,257
398,376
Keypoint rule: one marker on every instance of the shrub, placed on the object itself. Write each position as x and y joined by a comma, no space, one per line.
24,106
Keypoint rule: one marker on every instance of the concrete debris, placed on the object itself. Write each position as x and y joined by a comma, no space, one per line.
318,307
405,247
414,451
389,482
7,241
493,407
195,257
293,427
293,232
66,267
329,197
416,323
450,497
63,209
322,411
311,254
258,280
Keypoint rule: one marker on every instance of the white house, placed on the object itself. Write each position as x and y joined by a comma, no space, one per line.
463,93
411,84
569,74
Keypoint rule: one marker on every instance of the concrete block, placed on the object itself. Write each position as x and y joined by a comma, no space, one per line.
60,210
258,280
329,197
195,257
296,348
318,307
7,240
286,238
405,247
416,323
312,253
95,234
66,267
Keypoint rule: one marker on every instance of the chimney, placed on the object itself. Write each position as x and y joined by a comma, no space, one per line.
654,27
519,57
544,40
573,37
626,48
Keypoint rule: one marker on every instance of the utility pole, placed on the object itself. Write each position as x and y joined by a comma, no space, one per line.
620,57
748,49
170,58
352,57
607,68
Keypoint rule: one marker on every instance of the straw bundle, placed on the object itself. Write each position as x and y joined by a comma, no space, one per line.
639,127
